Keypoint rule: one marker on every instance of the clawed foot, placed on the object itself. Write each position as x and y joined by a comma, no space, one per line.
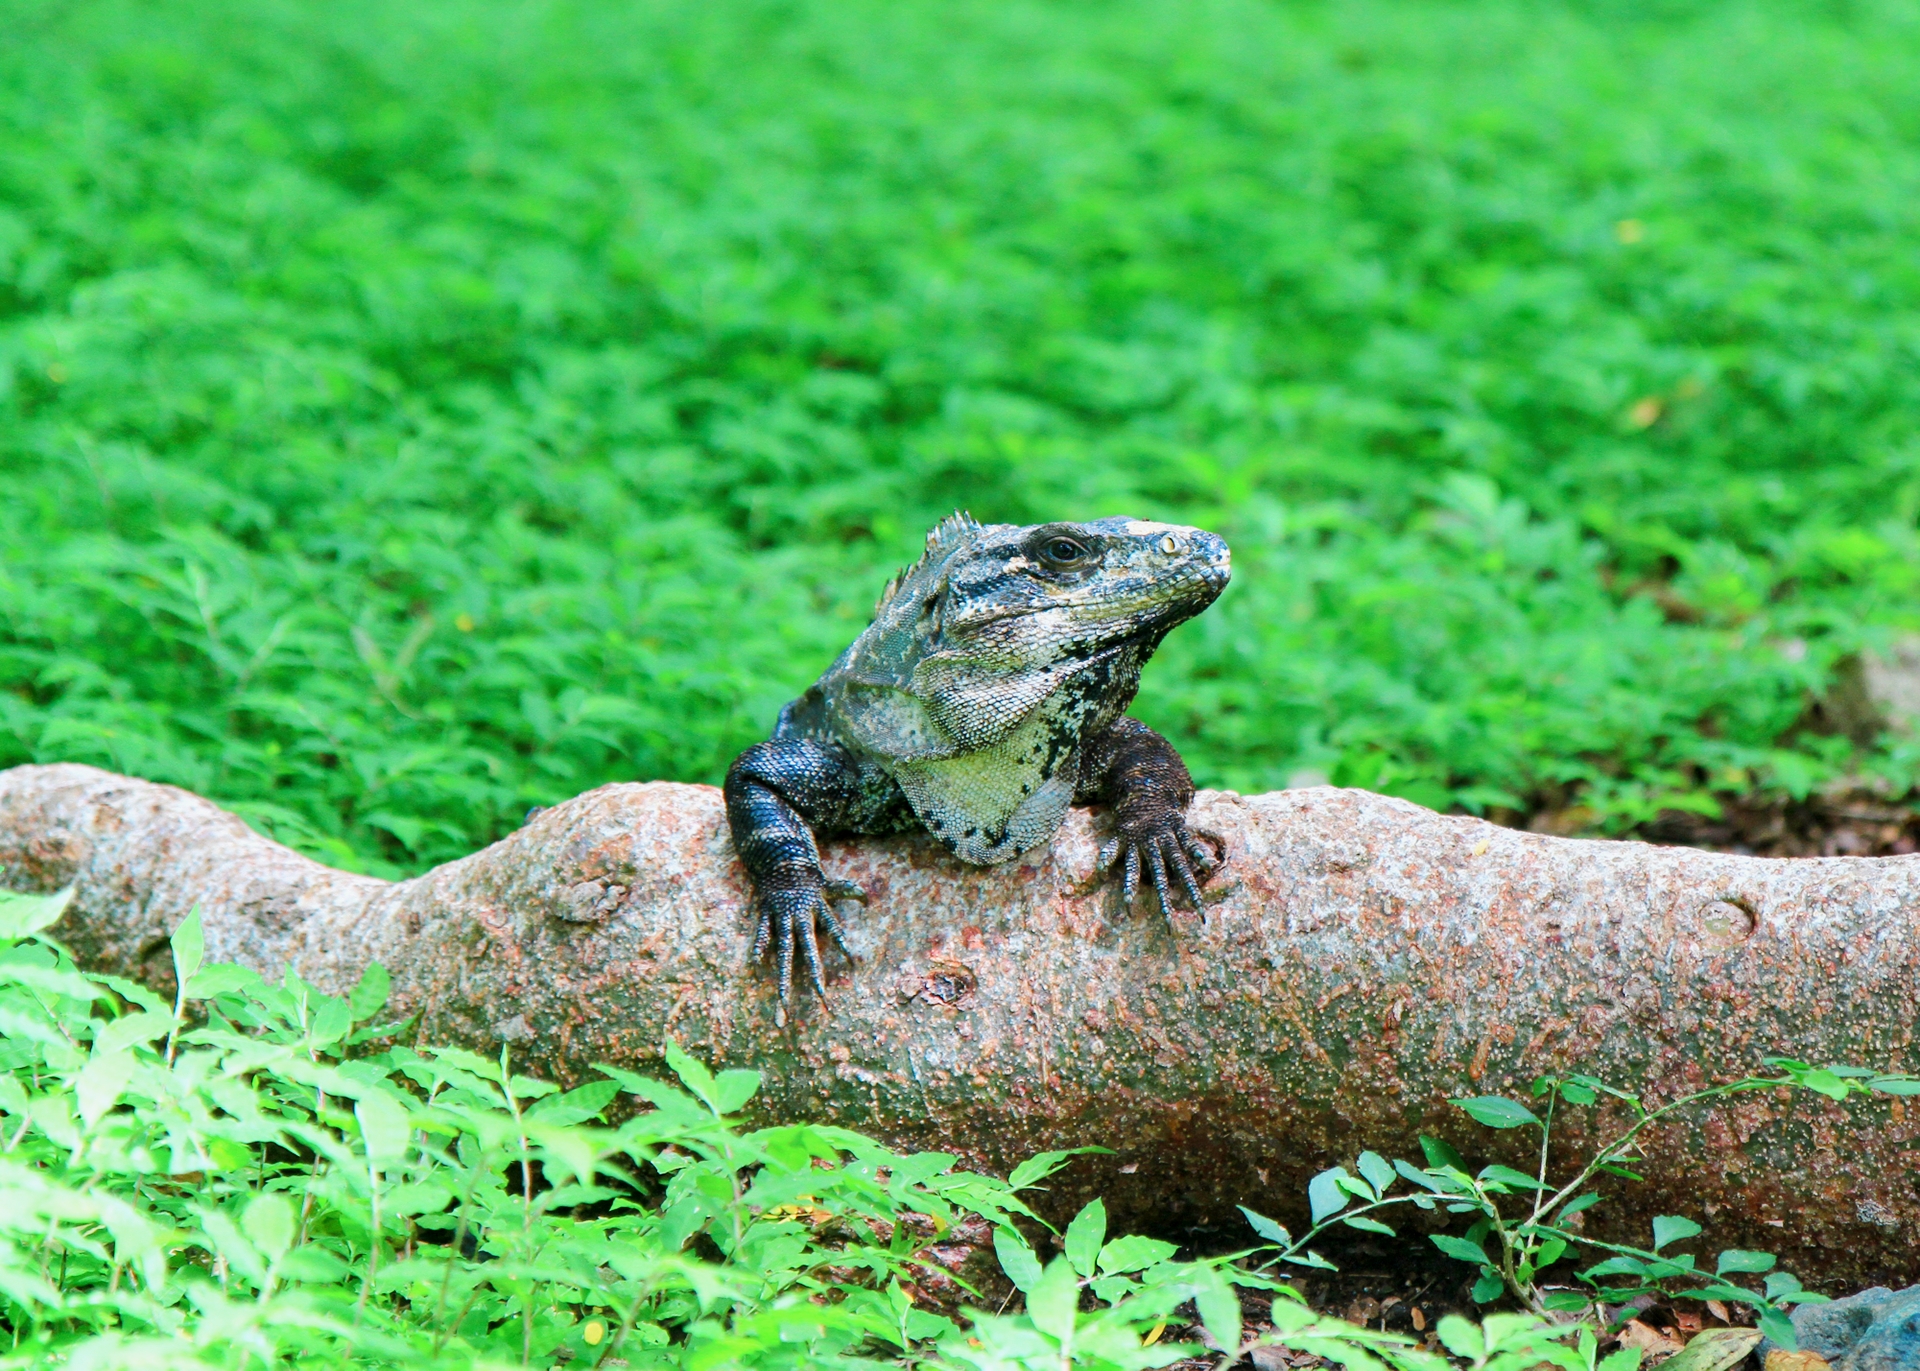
1170,845
786,908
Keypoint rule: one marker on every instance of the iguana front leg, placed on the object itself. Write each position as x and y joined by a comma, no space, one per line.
1136,772
778,794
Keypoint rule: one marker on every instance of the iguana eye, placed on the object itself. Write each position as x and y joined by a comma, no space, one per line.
1063,552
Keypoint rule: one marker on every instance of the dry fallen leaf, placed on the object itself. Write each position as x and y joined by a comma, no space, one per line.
1719,1311
1419,1317
1648,1339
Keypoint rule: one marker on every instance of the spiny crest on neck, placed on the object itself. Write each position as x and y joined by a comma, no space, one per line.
940,538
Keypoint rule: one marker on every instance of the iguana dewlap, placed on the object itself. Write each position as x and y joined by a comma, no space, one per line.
986,696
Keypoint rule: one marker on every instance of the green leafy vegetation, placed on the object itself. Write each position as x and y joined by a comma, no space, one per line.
409,414
1544,1226
258,1176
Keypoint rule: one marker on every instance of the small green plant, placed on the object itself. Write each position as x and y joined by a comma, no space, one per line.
263,1188
1522,1223
1135,1284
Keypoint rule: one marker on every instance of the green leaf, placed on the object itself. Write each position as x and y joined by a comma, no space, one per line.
1459,1248
1565,1300
222,979
1441,1154
1778,1327
694,1075
1438,1182
1897,1085
1377,1170
52,980
1016,1259
22,916
1741,1261
385,1125
188,947
1084,1236
1043,1164
369,996
313,1264
230,1243
1325,1196
328,1020
1578,1203
1461,1337
101,1081
1054,1302
1615,1266
1625,1359
268,1224
1368,1225
130,1030
1266,1227
1575,1093
1134,1253
1672,1228
1219,1307
135,993
574,1106
1506,1175
1488,1288
1496,1111
1824,1082
732,1089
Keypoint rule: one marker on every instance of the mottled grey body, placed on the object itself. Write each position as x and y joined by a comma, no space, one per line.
986,696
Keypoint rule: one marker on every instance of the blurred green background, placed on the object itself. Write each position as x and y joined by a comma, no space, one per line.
411,413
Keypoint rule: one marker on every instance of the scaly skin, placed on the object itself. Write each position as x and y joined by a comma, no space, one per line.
987,695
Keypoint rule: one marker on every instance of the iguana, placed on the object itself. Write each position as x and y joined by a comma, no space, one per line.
987,695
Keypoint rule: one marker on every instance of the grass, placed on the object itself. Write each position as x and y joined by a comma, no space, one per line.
409,414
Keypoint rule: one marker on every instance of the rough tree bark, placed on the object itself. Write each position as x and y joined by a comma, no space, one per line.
1363,960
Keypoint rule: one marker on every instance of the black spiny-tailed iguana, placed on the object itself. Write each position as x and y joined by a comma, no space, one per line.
986,696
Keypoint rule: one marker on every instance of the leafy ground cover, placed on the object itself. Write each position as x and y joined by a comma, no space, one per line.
409,414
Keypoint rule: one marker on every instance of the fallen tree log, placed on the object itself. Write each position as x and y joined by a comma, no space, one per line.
1362,961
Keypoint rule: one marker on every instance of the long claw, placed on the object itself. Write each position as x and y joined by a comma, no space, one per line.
1158,866
1109,853
810,945
833,929
1130,883
763,934
845,890
1178,860
784,952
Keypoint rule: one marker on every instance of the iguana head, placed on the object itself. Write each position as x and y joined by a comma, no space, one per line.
996,618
